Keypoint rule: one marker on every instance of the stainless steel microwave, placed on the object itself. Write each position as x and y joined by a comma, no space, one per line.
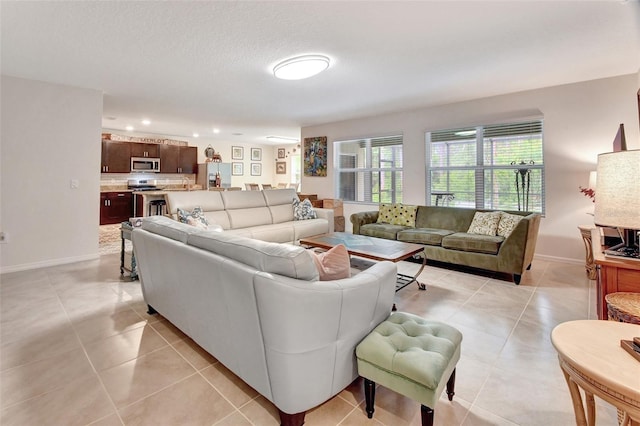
144,164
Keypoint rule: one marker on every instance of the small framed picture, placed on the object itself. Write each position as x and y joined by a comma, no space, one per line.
237,169
281,153
237,153
256,154
256,169
281,168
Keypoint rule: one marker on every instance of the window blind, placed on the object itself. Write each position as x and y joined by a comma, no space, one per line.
369,170
497,167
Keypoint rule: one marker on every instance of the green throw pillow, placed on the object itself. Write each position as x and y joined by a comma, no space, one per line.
386,213
398,214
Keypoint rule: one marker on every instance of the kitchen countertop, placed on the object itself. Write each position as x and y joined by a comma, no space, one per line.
160,191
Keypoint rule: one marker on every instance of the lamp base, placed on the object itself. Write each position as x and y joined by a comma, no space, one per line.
628,249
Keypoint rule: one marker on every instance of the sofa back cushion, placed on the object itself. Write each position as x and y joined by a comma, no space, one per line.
169,228
279,203
209,201
283,259
451,218
246,208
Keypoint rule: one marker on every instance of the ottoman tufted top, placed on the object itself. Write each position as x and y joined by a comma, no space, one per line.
412,347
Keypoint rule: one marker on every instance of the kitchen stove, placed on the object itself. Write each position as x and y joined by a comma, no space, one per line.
142,185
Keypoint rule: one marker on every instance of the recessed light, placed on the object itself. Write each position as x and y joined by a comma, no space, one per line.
216,131
129,128
281,139
300,67
146,122
195,135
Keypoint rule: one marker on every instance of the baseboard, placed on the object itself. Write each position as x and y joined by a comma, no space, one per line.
48,263
558,259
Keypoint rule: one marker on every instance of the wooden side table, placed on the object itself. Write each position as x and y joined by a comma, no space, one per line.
591,358
613,275
590,266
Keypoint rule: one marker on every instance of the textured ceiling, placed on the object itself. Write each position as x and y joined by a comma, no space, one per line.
193,66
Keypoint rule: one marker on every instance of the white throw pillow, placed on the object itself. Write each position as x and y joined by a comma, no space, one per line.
508,223
303,210
485,223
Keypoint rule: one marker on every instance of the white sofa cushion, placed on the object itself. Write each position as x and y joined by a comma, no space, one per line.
280,204
169,228
283,259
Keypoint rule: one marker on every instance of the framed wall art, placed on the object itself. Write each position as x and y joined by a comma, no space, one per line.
256,169
315,156
281,152
281,168
237,153
237,169
256,154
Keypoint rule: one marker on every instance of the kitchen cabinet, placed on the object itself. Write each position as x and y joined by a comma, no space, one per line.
116,157
178,159
115,207
146,150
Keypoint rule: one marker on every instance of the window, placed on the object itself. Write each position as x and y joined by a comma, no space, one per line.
369,170
495,167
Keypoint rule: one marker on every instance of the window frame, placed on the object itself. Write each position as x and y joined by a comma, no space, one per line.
479,168
368,179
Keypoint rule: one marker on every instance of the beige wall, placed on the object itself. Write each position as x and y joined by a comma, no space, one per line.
49,136
580,121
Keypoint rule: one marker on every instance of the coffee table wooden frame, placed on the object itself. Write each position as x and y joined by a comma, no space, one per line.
400,251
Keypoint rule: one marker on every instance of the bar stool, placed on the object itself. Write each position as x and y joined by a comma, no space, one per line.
159,205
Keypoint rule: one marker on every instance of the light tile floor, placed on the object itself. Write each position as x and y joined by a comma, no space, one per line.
77,347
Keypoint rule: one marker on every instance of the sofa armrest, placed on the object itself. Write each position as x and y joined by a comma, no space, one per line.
362,218
325,214
516,253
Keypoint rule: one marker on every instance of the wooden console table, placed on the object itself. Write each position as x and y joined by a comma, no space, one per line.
590,266
613,274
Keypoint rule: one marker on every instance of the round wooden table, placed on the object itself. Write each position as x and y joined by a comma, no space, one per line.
591,357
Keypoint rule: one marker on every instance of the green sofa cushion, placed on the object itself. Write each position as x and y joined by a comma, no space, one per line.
381,230
428,236
473,242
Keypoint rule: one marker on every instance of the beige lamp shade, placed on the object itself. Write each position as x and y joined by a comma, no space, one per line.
618,190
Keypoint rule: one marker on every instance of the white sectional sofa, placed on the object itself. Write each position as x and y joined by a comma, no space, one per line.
263,215
259,308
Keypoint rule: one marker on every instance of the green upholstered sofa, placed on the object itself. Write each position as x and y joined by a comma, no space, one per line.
443,231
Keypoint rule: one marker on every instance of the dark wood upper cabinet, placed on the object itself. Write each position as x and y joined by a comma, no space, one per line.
116,157
178,159
146,150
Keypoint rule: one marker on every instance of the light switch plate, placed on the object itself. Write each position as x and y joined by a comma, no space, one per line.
75,183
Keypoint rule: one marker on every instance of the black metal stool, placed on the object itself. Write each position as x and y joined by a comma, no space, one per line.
159,205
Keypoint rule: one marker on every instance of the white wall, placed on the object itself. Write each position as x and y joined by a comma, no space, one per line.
50,134
580,121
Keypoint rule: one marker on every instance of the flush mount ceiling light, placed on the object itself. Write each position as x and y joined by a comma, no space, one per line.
300,67
281,139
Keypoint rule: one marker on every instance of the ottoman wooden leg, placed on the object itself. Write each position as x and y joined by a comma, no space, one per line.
427,415
451,384
369,396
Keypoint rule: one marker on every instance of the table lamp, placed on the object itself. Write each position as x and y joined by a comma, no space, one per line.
618,198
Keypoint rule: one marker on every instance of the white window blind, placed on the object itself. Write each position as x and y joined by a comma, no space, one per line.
496,167
369,170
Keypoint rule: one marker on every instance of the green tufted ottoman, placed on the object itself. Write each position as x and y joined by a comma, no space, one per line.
411,356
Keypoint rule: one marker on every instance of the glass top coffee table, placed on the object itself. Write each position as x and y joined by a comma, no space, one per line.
373,248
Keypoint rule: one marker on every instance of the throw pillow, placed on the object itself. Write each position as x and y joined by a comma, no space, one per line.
386,213
508,223
333,264
404,215
194,218
303,210
485,223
